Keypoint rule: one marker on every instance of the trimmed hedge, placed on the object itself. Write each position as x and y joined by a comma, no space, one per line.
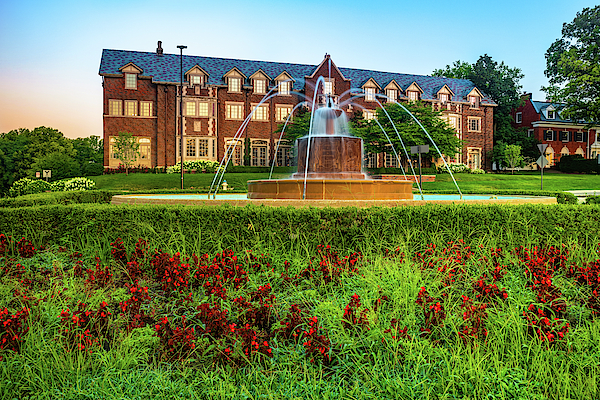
70,197
281,228
576,163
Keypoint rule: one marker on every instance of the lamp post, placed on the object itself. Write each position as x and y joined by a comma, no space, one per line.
181,47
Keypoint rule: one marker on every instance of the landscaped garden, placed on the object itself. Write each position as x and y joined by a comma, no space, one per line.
440,302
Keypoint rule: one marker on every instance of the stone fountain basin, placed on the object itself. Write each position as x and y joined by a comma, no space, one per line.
330,189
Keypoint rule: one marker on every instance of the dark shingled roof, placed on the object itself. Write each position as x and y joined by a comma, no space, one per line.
165,68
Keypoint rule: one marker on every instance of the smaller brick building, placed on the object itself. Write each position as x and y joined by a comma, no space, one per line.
543,120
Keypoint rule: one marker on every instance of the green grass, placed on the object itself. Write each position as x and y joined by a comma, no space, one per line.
511,364
467,182
202,182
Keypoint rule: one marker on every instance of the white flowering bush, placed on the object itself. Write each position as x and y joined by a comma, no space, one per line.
28,186
194,165
75,184
454,168
477,171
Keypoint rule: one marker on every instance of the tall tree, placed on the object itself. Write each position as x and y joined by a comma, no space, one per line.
458,70
126,149
572,67
512,157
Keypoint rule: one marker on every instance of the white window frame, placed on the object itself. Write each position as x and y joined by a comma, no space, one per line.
115,107
130,81
190,109
145,109
131,108
473,120
259,152
282,111
519,118
234,111
444,97
530,132
261,113
329,86
284,88
284,153
196,80
551,116
260,86
370,93
392,95
190,147
413,95
474,100
234,84
203,109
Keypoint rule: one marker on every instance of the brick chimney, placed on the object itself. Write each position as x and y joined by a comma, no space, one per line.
159,49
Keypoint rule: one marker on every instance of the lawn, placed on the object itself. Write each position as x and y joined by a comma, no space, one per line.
467,182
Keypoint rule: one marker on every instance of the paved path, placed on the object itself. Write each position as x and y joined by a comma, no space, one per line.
582,194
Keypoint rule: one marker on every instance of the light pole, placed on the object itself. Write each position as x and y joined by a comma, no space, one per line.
181,47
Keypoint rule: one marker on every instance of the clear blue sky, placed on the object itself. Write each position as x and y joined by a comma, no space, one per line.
50,50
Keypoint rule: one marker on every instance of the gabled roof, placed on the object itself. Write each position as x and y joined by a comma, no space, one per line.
541,107
165,69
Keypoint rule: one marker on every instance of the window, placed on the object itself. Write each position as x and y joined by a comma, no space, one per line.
130,81
261,113
235,84
392,95
131,108
370,94
202,147
282,112
371,160
233,148
115,107
530,132
203,109
565,136
284,154
474,157
551,114
144,151
328,87
474,100
284,88
390,160
146,108
368,115
234,110
195,80
579,136
444,97
549,135
190,147
259,153
413,95
454,122
190,108
518,117
474,124
260,86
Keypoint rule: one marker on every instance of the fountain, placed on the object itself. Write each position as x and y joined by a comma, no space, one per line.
330,167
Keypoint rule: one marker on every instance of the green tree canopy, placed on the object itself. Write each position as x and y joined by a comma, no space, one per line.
573,67
62,166
513,157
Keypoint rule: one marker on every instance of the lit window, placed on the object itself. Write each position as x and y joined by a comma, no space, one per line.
328,87
233,148
368,115
144,150
370,94
130,81
234,111
284,87
115,107
259,153
260,86
235,84
474,100
474,124
444,97
371,160
131,108
390,160
190,109
203,148
413,95
190,148
392,95
261,113
203,109
518,117
196,79
282,112
146,108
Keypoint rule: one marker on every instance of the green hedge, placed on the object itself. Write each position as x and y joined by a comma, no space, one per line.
283,228
576,163
71,197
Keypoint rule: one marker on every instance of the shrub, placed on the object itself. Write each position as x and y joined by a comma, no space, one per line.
592,200
566,198
194,165
79,184
454,168
576,163
28,186
477,171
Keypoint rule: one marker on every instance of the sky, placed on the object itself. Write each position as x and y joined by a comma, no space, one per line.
50,50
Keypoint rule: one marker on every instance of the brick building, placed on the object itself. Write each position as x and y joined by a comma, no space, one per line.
141,95
543,120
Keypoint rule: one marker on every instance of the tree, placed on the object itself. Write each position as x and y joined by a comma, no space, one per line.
89,153
6,172
458,70
297,126
512,156
126,149
572,67
375,141
62,166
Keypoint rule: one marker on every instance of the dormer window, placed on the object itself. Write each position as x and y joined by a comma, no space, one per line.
444,97
328,87
284,88
370,94
392,95
474,100
130,81
551,114
234,84
260,86
413,95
